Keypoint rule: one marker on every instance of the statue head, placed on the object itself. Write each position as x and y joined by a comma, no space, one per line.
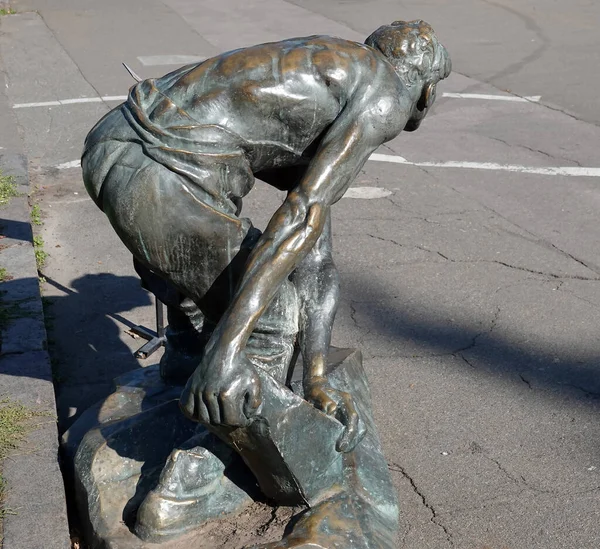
420,60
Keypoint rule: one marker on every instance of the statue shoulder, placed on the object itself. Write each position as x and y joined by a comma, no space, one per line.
382,101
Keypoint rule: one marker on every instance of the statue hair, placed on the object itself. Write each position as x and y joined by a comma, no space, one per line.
414,50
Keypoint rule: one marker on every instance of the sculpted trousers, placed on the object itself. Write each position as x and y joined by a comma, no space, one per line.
188,253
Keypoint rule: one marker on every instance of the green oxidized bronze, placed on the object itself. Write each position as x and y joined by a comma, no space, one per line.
170,168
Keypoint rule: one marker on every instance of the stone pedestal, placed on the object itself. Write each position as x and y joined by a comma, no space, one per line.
148,477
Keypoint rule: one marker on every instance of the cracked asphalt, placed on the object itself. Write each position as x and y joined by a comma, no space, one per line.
473,293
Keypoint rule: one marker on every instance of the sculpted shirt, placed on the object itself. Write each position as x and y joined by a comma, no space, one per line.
204,154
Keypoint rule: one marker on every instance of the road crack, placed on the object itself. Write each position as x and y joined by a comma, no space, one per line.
434,518
416,246
526,381
527,270
537,151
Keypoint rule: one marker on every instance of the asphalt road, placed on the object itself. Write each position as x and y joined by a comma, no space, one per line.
468,254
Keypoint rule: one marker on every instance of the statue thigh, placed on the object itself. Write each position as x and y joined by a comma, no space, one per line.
198,251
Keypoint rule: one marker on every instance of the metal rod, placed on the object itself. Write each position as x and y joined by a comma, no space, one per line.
144,332
155,339
160,318
149,348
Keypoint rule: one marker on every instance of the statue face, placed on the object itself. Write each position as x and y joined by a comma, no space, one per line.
421,107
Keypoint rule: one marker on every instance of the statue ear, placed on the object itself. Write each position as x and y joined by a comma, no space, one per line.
427,97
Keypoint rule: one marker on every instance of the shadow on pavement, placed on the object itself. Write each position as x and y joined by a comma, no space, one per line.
559,369
85,329
15,230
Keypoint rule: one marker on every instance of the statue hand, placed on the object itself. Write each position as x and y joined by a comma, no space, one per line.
222,392
339,405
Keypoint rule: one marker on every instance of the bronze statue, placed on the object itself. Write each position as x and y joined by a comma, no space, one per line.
170,168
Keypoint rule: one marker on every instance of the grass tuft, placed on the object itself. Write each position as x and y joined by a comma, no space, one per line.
8,189
15,423
36,215
40,253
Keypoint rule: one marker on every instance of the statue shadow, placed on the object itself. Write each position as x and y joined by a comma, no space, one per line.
555,370
86,339
87,344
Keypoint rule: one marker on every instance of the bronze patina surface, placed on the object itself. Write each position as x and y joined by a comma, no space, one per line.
170,168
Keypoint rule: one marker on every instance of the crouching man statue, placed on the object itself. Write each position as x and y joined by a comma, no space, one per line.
170,168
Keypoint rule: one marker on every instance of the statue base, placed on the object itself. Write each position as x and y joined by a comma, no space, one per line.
147,477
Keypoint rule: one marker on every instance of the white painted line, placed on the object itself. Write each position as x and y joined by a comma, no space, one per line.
73,101
155,60
67,165
74,201
114,98
367,193
568,171
191,59
389,158
80,100
43,104
571,171
515,98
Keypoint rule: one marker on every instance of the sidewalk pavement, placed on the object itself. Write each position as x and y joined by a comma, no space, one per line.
35,492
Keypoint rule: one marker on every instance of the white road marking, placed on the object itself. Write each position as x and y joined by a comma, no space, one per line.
61,102
389,158
567,171
367,193
191,59
155,60
114,98
572,171
67,165
42,104
514,98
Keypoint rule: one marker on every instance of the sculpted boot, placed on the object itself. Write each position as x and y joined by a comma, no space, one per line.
193,488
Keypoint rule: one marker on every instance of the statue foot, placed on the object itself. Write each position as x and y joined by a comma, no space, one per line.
192,489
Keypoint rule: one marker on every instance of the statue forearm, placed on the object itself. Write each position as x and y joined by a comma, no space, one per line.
290,236
295,228
320,302
317,283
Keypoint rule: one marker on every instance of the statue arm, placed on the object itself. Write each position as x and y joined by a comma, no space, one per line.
295,228
317,283
224,378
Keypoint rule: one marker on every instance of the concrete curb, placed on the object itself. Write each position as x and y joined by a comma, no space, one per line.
35,489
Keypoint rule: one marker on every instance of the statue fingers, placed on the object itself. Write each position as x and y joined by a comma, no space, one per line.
200,410
252,398
330,406
326,404
192,406
187,403
349,417
209,398
232,413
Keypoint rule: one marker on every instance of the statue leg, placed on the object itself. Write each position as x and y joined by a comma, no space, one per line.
187,252
187,330
272,345
186,338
